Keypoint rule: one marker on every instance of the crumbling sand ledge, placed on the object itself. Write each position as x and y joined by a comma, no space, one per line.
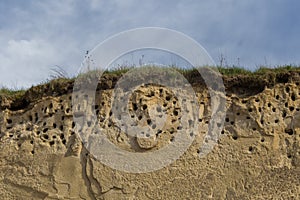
257,157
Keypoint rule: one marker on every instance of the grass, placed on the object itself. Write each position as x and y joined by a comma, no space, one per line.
59,75
9,92
231,71
277,69
223,70
58,72
262,70
119,71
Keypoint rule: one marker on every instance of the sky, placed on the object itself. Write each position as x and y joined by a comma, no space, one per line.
38,35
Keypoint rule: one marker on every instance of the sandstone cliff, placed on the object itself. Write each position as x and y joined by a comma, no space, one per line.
256,157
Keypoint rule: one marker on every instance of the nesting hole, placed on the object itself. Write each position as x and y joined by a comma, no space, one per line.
250,149
45,130
172,139
175,112
289,131
46,137
149,121
286,104
293,97
235,137
284,114
269,105
145,107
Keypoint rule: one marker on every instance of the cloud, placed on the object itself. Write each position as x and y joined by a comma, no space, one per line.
56,8
24,61
36,35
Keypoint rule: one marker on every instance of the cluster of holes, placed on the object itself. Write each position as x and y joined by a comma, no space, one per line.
40,119
285,113
139,110
54,138
140,107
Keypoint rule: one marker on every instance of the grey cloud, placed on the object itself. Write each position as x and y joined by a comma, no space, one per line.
59,32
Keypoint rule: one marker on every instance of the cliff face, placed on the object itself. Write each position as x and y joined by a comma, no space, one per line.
257,155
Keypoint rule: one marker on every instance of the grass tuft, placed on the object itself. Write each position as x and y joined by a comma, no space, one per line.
9,92
277,69
231,71
60,76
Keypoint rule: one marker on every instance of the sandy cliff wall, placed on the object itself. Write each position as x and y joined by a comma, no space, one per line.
257,155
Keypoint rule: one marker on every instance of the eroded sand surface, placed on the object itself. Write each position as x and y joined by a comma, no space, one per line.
257,155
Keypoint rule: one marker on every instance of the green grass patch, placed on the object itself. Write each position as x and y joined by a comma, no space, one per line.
231,71
61,78
10,92
277,69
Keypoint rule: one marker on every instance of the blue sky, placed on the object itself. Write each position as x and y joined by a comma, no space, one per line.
36,35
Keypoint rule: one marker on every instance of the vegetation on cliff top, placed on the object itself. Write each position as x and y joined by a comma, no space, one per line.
228,72
11,92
